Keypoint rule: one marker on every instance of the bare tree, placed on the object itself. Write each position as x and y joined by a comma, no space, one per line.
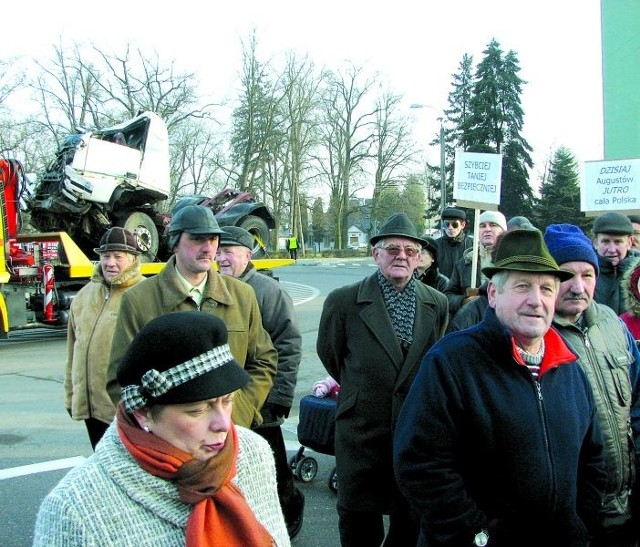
86,87
348,129
67,93
394,148
195,162
300,101
136,81
11,79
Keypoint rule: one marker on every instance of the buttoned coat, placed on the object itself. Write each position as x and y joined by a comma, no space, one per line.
92,320
359,348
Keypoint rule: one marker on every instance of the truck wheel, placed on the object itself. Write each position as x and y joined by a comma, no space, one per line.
142,227
260,231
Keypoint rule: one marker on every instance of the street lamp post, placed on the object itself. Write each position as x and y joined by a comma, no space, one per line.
443,187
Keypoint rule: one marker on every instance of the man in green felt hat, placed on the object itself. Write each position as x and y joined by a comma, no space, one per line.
497,441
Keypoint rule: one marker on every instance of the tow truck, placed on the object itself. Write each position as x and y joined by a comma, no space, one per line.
41,272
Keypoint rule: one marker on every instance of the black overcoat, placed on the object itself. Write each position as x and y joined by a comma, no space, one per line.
358,347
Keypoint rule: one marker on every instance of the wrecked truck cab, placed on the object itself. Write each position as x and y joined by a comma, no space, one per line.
106,177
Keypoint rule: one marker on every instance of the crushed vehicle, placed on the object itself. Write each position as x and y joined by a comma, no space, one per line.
42,271
119,176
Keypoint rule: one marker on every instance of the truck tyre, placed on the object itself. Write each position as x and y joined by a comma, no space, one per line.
146,233
259,230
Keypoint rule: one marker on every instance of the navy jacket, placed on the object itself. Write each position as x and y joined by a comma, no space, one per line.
481,444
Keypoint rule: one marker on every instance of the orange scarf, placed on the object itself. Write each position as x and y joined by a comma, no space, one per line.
220,516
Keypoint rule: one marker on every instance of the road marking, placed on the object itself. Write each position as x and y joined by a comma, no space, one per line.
300,293
41,467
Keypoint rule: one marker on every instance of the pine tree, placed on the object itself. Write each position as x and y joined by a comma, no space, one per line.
457,116
494,124
560,193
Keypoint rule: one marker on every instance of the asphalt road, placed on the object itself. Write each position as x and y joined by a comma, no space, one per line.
38,441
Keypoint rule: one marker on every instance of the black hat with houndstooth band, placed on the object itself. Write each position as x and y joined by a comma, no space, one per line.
179,357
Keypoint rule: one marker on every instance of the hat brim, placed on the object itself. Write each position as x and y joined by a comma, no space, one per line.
563,275
215,383
120,248
232,243
377,238
204,231
614,231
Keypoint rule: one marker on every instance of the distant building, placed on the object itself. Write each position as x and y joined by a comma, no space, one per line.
357,239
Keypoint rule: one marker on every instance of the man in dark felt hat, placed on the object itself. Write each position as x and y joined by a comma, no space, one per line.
454,241
371,338
497,441
600,338
187,283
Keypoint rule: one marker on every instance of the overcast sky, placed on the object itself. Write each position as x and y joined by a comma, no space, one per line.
415,46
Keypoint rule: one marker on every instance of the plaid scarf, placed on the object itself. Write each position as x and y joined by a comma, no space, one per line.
401,307
220,516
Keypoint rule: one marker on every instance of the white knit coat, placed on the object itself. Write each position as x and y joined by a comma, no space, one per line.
111,500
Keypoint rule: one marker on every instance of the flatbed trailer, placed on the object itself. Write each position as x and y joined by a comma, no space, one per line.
40,274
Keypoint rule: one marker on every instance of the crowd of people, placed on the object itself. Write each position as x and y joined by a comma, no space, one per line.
521,424
487,390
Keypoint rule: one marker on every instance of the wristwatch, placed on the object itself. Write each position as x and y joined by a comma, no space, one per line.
481,538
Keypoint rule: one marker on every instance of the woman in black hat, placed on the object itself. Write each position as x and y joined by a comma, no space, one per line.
172,469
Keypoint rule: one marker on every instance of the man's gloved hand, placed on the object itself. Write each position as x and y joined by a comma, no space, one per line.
276,411
281,411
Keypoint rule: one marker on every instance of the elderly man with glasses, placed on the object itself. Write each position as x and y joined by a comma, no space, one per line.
371,338
454,241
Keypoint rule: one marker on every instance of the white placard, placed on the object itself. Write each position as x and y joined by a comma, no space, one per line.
612,185
477,179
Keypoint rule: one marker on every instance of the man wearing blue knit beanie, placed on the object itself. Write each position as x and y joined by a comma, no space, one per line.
609,357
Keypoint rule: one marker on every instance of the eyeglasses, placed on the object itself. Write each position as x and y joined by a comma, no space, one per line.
394,250
452,223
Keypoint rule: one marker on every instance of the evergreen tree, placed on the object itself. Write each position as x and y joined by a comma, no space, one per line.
457,116
494,124
560,193
518,198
